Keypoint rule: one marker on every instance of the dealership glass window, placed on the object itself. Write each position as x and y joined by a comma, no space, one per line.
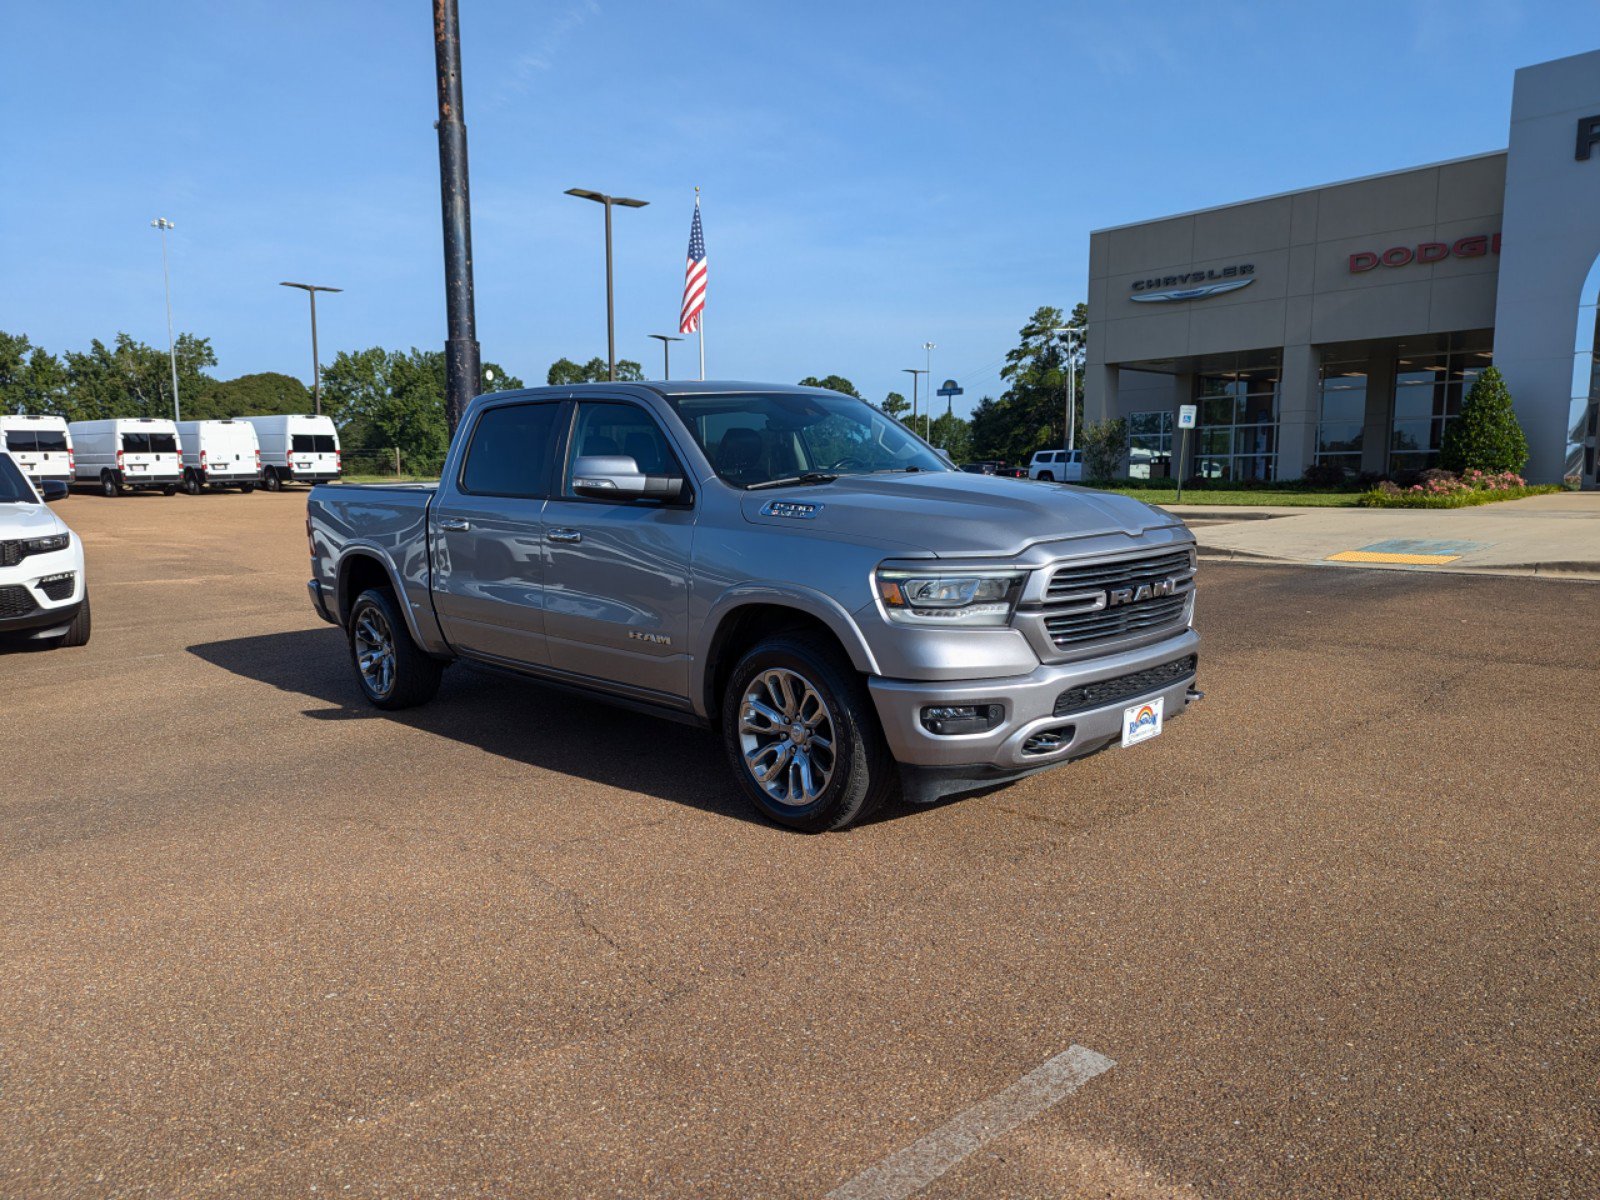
1150,444
1341,414
1428,390
1238,429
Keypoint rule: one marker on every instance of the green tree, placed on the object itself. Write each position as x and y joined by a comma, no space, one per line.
833,383
1486,436
952,435
1104,443
894,405
256,395
131,379
564,371
14,348
383,399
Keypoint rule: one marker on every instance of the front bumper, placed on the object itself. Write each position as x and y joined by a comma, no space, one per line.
25,606
42,618
1029,703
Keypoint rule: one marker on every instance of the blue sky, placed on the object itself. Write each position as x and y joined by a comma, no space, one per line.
875,175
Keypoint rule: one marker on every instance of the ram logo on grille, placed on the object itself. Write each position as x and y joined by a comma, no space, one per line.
1143,591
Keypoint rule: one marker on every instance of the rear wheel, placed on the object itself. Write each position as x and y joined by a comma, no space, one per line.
247,488
1046,477
801,735
170,490
109,485
391,669
78,632
272,481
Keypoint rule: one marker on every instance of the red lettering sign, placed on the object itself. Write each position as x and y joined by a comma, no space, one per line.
1425,252
1363,261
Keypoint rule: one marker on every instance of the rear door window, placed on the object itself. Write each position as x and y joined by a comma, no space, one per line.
303,443
50,440
163,443
510,451
136,443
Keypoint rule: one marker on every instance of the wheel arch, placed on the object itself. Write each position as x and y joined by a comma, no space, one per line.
741,622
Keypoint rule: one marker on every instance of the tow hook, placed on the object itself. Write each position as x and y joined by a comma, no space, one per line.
1193,695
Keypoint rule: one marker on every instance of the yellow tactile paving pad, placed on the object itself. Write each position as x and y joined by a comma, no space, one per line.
1377,556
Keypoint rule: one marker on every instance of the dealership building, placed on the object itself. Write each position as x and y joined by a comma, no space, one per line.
1343,324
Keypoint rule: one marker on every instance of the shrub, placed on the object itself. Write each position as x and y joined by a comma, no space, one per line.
1486,436
1104,444
1324,475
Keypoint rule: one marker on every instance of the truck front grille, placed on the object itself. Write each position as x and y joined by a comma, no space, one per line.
1098,577
1099,624
15,601
1087,603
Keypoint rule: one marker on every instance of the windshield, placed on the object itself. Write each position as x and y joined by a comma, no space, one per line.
758,438
14,487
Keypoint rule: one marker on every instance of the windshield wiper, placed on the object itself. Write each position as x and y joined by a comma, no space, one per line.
790,480
897,470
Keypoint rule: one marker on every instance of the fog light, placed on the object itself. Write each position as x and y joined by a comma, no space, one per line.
948,719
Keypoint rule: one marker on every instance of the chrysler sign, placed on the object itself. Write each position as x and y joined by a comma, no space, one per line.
1194,285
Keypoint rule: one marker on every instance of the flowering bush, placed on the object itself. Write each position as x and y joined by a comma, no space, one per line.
1448,483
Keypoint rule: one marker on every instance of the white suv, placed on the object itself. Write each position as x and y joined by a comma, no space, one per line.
43,592
1061,466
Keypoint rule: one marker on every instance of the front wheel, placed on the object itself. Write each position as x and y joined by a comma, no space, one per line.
272,481
1046,477
170,490
109,485
247,488
802,737
392,669
191,484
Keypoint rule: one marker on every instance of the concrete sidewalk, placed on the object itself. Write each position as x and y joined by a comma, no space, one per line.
1557,535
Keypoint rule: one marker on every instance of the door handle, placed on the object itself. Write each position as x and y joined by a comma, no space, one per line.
564,535
454,525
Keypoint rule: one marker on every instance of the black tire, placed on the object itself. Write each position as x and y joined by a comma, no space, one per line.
191,483
862,772
247,488
78,632
1046,477
109,485
272,481
413,676
170,490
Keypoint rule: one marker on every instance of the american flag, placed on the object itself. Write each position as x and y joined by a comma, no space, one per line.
694,277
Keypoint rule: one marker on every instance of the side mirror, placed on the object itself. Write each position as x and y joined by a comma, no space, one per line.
52,490
617,477
945,454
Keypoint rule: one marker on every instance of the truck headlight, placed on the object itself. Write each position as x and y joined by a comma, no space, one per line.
959,598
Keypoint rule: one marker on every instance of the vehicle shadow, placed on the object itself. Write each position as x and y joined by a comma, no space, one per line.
524,722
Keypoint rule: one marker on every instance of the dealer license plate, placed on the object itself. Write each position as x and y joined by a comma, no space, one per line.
1141,722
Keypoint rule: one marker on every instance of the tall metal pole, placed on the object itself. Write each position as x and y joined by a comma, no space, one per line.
462,362
914,372
316,359
927,428
611,306
311,289
162,225
666,340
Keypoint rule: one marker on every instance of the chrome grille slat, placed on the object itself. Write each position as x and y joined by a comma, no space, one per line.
1071,580
1070,630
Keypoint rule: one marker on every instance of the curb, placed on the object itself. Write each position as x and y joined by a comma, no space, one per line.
1577,572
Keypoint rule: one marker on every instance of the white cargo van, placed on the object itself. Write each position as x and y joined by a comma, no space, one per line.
127,454
41,446
219,454
296,448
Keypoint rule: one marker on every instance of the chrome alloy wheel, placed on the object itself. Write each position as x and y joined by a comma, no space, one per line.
786,734
374,647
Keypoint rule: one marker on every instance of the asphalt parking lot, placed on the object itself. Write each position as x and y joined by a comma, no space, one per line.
1338,928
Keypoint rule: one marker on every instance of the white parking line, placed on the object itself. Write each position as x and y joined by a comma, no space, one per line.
919,1164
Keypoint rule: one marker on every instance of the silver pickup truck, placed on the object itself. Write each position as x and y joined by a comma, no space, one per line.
787,566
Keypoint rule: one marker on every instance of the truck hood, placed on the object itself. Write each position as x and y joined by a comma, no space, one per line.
29,521
953,513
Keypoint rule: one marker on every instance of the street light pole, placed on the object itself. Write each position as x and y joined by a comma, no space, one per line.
927,435
311,289
163,225
463,361
914,372
666,340
1071,331
611,314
